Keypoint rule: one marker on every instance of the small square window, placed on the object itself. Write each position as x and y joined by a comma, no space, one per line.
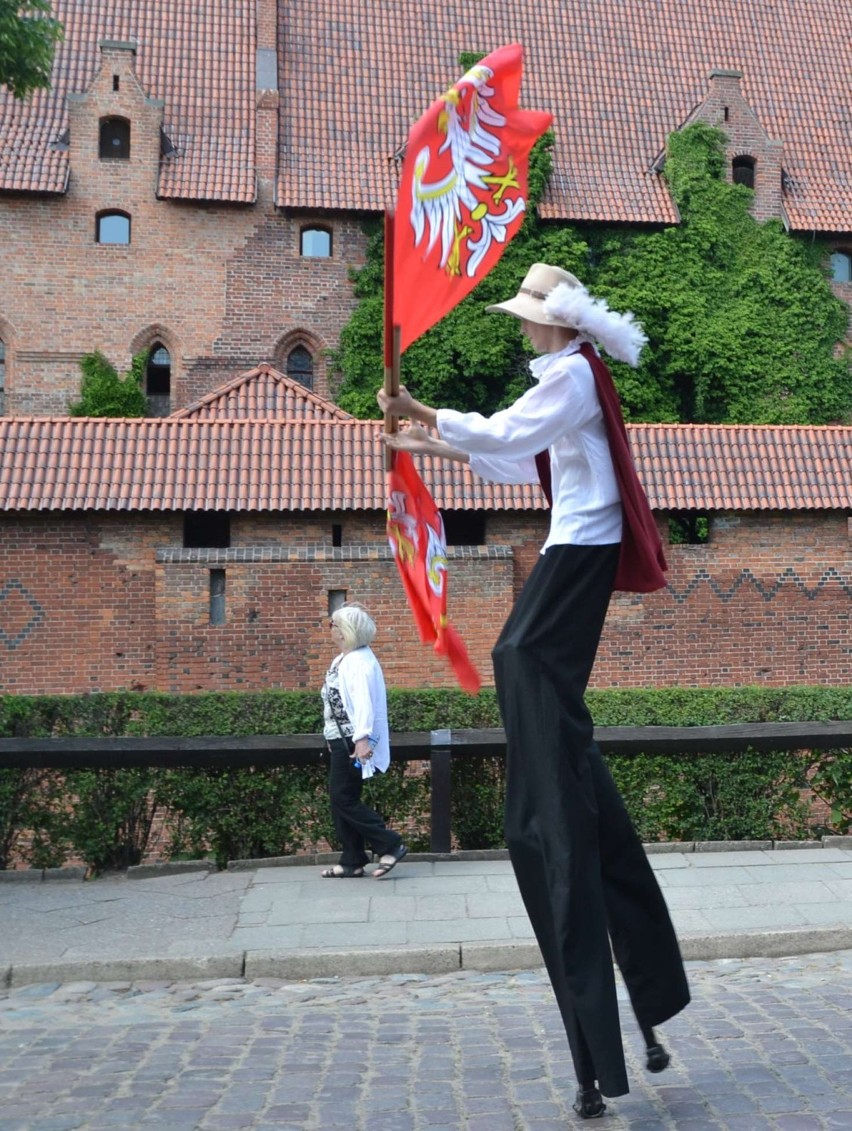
113,227
316,243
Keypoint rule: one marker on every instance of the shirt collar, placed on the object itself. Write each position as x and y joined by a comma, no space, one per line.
540,366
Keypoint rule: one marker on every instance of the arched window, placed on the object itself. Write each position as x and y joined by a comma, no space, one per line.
2,365
114,142
841,267
315,242
112,227
158,371
300,366
742,169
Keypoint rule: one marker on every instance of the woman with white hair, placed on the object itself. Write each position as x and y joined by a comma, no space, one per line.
581,869
355,726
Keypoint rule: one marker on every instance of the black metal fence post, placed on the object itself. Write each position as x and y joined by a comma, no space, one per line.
440,758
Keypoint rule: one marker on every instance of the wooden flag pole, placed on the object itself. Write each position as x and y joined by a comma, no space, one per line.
391,335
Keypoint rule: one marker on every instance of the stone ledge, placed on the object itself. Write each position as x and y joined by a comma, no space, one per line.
169,868
17,875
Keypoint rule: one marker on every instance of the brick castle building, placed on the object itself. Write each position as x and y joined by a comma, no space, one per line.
194,186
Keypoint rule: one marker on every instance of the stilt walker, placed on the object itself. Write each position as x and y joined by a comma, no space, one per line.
581,869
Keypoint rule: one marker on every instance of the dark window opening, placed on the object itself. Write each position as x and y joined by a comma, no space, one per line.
464,528
158,372
300,366
206,530
336,534
336,598
116,82
114,144
689,528
315,242
743,171
727,113
2,365
113,227
217,596
841,267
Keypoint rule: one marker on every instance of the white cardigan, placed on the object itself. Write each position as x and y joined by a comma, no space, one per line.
362,689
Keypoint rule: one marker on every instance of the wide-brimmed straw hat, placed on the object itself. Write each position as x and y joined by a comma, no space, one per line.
540,281
553,297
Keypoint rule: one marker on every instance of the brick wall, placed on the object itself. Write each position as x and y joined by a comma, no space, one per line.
107,601
767,600
222,286
726,108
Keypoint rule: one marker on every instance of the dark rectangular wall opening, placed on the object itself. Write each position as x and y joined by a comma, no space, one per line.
206,530
217,596
464,528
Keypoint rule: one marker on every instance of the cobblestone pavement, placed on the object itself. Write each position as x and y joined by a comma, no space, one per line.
766,1044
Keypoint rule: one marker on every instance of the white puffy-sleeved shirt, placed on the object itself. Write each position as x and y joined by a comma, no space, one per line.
356,682
561,412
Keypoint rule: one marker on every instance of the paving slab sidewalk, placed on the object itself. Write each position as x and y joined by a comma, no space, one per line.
429,916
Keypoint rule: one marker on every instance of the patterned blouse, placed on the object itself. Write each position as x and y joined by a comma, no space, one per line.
333,711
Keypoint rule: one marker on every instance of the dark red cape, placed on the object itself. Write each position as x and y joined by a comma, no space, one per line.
642,562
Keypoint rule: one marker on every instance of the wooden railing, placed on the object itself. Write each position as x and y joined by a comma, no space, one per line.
438,747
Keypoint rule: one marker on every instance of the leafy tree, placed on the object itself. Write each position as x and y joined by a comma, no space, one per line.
104,393
28,38
741,319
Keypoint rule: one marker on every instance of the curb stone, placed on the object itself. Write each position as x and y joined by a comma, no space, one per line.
444,959
176,867
129,970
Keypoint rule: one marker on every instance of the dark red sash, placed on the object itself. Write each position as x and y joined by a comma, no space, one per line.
642,562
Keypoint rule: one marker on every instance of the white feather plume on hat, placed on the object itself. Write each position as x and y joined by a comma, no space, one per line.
619,334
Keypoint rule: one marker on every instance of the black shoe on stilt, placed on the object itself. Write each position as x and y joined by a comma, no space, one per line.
657,1058
589,1103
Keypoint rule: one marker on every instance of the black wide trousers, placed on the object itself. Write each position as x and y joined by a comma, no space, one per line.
356,824
581,869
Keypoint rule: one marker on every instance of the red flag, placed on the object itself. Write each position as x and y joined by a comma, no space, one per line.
416,535
463,190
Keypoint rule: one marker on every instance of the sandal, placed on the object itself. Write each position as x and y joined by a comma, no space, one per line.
342,872
383,868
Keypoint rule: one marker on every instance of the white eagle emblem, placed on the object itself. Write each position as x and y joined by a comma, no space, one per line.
450,206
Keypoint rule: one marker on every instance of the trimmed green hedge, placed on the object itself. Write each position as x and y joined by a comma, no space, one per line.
300,712
105,817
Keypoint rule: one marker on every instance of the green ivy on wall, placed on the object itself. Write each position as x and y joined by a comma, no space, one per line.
104,393
742,323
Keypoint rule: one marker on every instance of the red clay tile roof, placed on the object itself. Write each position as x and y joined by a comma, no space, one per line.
744,466
282,465
197,55
260,393
617,76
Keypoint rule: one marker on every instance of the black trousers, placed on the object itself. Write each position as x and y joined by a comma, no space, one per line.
581,869
355,823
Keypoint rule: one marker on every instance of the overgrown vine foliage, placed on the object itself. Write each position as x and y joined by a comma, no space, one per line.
104,393
742,323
